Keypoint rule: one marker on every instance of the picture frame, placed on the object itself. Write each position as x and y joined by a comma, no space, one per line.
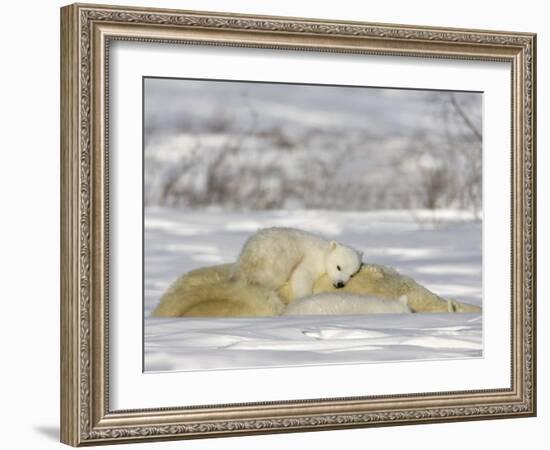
87,34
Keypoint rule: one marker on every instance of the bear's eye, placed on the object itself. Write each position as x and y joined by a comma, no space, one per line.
338,267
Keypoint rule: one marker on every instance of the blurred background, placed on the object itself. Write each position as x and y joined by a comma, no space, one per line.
265,146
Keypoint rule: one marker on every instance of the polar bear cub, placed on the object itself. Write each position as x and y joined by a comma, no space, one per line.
336,303
273,256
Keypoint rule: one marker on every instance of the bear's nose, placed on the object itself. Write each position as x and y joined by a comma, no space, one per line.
339,285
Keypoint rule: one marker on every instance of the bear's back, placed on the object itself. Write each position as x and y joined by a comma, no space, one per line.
335,303
289,236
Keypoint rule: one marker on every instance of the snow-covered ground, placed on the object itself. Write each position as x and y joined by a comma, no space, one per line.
439,249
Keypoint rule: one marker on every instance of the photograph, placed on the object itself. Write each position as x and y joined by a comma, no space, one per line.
305,224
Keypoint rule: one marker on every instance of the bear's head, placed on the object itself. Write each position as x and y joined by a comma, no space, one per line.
341,263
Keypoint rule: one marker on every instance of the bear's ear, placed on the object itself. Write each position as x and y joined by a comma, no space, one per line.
333,245
360,253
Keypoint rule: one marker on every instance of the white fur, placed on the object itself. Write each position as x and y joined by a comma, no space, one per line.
273,256
335,303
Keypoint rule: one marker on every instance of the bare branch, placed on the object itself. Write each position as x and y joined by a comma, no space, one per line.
460,111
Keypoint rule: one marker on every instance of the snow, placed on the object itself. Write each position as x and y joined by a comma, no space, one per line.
221,343
440,249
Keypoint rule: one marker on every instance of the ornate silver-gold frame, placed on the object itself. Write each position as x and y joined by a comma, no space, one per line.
86,33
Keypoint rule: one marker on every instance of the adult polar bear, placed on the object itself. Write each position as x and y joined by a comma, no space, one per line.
344,303
274,256
215,292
